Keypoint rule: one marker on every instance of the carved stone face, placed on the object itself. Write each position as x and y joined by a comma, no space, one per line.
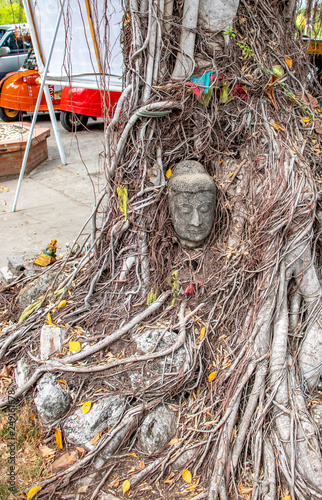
192,196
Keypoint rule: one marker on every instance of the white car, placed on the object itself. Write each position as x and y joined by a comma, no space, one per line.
13,49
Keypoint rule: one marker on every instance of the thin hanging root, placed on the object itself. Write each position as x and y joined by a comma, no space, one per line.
217,486
244,425
269,484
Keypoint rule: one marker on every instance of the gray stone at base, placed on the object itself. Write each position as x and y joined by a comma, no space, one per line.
155,340
21,372
35,289
51,340
20,262
80,429
52,401
157,429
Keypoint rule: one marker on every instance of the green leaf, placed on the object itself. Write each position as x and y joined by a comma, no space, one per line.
224,94
29,309
152,296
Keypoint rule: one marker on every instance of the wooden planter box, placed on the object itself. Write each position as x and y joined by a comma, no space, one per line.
12,151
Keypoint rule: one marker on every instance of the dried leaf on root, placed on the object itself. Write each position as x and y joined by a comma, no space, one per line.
86,407
5,372
33,491
74,346
96,438
202,332
126,486
289,61
186,476
49,320
62,383
212,376
59,439
122,197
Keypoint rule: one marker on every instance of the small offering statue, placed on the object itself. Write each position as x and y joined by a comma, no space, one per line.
192,197
48,256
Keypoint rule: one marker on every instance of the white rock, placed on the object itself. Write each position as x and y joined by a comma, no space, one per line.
21,372
80,428
51,340
6,275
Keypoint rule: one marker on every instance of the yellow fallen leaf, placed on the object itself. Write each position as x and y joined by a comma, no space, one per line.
202,332
59,439
62,303
286,498
49,320
33,491
289,61
173,441
96,438
4,189
192,487
74,346
142,464
132,455
186,476
277,127
306,119
168,173
212,376
86,407
126,486
122,197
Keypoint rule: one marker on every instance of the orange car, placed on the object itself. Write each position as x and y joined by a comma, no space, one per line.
19,92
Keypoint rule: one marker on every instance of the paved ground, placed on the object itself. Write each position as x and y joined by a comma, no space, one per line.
54,200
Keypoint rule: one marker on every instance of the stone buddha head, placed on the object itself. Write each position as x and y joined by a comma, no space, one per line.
192,197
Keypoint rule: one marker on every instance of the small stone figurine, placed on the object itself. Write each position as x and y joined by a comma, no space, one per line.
192,197
48,256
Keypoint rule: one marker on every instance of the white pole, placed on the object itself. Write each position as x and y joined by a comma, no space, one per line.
25,158
55,125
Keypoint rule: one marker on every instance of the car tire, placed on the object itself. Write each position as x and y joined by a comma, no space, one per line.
10,115
73,122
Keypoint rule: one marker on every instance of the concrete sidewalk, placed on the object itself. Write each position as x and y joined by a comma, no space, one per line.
54,200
